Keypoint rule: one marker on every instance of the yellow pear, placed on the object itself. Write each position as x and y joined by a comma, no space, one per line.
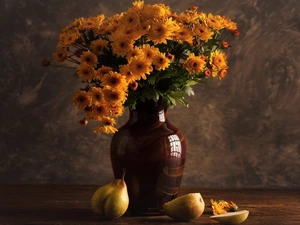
232,217
111,200
185,208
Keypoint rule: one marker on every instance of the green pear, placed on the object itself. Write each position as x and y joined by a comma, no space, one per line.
185,208
111,200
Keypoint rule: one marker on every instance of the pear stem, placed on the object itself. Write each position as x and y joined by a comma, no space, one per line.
123,175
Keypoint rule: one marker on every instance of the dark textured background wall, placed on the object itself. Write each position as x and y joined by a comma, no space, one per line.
241,132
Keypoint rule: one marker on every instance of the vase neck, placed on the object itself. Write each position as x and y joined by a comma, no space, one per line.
148,113
147,117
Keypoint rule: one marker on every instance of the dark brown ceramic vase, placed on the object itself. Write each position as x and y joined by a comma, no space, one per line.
153,152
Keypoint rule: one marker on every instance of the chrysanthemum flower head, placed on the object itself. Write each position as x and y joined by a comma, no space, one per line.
102,71
121,46
114,97
136,51
114,80
161,31
100,110
228,24
69,38
184,34
97,95
156,11
130,19
86,72
194,64
148,52
139,67
98,46
129,76
218,59
60,55
214,21
89,58
81,99
139,4
161,62
105,129
202,31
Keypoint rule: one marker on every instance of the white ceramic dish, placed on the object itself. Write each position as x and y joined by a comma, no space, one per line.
232,217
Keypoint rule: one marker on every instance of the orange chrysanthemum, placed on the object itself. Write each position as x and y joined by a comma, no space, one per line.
96,95
154,11
138,5
114,80
88,23
184,34
218,59
117,110
108,121
99,110
127,32
98,46
129,76
105,129
114,97
122,46
194,64
222,207
187,17
60,55
215,22
130,19
228,24
161,31
149,52
69,38
102,71
161,62
134,52
140,67
86,72
89,58
81,99
203,32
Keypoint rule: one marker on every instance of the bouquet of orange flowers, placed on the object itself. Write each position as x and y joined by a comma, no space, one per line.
146,52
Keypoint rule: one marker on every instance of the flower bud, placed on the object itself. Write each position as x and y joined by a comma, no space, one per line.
78,52
225,44
196,43
170,56
45,63
235,33
133,85
207,72
83,121
222,73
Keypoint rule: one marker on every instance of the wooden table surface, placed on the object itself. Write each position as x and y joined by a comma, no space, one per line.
70,205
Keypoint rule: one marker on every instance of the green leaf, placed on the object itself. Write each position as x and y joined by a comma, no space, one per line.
188,90
151,79
150,93
177,97
191,82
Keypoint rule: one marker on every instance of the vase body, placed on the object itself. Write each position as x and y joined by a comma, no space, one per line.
152,151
